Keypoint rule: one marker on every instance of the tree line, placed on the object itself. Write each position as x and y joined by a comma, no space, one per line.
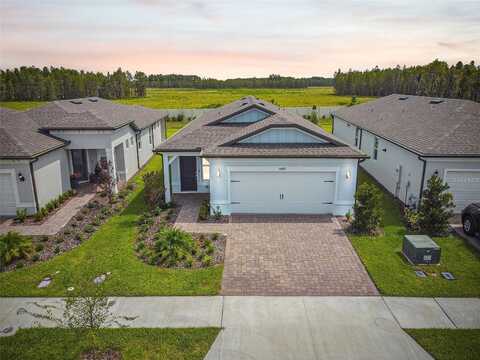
196,82
436,79
31,83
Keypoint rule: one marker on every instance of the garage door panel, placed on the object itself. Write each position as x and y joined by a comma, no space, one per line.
282,192
464,186
8,204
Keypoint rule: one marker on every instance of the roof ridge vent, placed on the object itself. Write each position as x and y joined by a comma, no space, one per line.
436,101
76,102
403,98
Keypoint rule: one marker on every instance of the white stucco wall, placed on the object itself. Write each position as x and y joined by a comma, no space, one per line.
52,176
121,136
344,131
345,188
146,151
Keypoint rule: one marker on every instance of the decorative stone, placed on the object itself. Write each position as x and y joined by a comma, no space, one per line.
420,273
109,273
71,288
100,279
448,275
44,283
7,330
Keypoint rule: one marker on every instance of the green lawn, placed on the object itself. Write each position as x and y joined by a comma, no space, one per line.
135,344
448,344
393,275
193,98
111,249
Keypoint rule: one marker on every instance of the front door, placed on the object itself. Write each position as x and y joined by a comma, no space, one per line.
188,173
79,162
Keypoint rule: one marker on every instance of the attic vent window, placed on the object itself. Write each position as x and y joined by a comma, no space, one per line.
243,104
93,100
76,102
437,101
403,98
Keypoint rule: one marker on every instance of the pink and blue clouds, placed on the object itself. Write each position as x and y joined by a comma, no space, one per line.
237,38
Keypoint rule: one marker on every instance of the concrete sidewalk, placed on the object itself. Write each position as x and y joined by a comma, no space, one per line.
256,327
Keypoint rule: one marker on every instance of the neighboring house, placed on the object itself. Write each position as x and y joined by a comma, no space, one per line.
41,148
410,138
253,157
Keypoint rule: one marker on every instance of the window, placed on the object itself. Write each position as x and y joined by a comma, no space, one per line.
205,170
375,149
126,143
150,135
357,136
131,140
139,142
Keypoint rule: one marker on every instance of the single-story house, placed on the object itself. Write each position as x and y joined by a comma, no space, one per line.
253,157
40,149
410,138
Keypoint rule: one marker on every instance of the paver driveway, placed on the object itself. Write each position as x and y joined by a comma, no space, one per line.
284,254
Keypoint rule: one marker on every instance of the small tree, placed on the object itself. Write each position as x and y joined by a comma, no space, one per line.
154,190
107,181
367,210
436,207
14,246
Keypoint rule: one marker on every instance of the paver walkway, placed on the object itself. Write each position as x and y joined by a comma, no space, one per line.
55,222
283,254
264,328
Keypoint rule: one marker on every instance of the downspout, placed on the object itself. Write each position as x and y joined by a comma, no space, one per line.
34,185
423,177
136,145
360,142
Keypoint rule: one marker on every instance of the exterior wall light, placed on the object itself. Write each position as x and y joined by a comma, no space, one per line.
21,178
348,175
218,172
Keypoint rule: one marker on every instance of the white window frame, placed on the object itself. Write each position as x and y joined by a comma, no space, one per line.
205,174
375,148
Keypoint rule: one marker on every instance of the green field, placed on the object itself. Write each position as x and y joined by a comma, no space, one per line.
193,98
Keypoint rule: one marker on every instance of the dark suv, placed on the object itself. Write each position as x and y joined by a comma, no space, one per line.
471,219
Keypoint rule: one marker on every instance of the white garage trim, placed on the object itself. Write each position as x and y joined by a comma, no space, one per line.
280,170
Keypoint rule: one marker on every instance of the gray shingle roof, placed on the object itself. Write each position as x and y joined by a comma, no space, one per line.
93,113
421,124
211,137
20,138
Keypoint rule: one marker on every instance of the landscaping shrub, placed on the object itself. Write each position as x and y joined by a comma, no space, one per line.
436,207
21,215
411,218
204,211
39,247
49,207
79,217
217,213
209,248
107,182
59,239
84,211
78,236
67,231
35,257
19,265
56,250
207,260
367,209
140,246
215,236
14,246
38,216
173,245
131,186
154,191
89,229
96,221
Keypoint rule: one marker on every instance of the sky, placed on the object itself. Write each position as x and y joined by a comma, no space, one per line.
232,38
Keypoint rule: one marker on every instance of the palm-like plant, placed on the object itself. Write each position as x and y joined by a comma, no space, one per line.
14,246
173,245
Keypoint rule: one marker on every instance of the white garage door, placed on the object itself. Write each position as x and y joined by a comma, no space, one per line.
464,186
8,204
282,193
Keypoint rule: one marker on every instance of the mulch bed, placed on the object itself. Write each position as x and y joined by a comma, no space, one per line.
79,229
167,218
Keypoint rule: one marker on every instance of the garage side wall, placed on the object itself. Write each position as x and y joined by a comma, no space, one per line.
464,172
22,189
51,176
346,178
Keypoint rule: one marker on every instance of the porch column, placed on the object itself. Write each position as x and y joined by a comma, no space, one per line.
166,178
111,160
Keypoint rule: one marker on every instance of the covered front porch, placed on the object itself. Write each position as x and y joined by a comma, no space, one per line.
85,164
185,172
